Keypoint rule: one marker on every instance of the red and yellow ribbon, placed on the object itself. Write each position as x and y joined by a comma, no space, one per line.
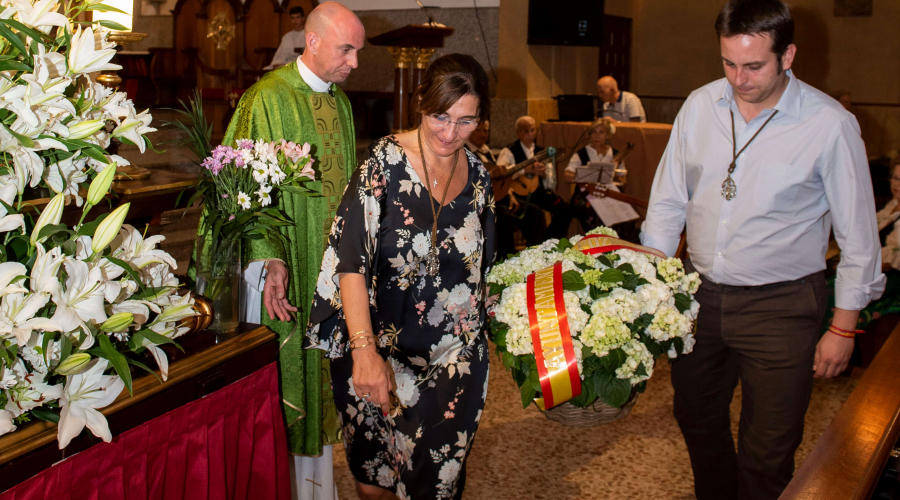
550,335
552,340
600,243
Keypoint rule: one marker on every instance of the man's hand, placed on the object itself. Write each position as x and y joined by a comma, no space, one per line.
569,176
275,292
513,203
832,355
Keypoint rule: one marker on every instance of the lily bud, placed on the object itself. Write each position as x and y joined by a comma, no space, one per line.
117,322
100,184
84,129
51,215
74,364
109,228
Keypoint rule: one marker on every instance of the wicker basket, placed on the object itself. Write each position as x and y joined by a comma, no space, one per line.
596,414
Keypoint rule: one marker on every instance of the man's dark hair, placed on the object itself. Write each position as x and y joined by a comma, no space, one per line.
758,17
296,10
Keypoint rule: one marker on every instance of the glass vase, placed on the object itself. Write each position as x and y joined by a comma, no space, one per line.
219,280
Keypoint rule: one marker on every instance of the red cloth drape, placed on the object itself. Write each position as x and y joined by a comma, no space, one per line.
230,445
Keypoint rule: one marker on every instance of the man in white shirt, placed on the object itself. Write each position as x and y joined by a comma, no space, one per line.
760,165
291,41
621,106
544,196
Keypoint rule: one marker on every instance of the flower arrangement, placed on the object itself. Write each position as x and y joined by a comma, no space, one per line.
78,304
624,306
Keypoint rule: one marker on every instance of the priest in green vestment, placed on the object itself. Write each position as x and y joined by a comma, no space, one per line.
300,102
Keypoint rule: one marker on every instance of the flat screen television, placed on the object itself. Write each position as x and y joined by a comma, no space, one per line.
565,22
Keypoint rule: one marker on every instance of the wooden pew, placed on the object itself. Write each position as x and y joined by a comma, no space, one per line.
850,456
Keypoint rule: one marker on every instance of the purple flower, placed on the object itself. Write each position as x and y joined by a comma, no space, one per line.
244,144
225,195
221,152
231,218
239,162
212,164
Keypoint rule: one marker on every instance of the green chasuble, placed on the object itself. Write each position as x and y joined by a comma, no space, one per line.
282,106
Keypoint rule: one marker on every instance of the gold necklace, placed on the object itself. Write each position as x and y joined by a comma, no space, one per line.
432,265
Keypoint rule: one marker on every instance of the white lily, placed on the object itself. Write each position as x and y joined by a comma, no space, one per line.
168,330
83,394
132,247
181,307
9,222
45,273
30,393
133,128
85,128
82,299
17,319
41,15
66,176
6,422
83,58
51,215
139,308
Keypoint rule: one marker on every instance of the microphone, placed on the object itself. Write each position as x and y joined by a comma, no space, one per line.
431,21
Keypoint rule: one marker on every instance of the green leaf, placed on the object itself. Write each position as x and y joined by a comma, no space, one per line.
563,245
528,393
613,391
145,368
33,33
499,336
535,379
612,275
112,25
117,359
572,281
626,268
46,415
604,260
13,39
495,288
158,339
25,140
682,302
88,229
124,265
612,361
14,66
104,8
508,359
51,229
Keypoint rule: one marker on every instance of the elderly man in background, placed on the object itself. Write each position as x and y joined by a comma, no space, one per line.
292,40
300,102
619,105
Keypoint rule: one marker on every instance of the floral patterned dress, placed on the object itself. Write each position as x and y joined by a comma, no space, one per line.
430,329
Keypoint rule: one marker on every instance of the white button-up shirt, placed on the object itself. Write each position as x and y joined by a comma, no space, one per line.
804,172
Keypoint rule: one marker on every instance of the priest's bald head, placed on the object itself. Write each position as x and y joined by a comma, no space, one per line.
334,35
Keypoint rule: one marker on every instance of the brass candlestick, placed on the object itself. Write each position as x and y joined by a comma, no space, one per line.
111,80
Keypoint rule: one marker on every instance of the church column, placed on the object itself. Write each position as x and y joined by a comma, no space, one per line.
403,57
423,58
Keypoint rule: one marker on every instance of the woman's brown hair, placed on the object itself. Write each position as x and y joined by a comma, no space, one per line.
447,80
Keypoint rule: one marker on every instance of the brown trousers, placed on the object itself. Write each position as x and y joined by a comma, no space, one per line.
765,337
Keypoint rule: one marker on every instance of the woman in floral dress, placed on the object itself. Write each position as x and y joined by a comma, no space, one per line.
400,303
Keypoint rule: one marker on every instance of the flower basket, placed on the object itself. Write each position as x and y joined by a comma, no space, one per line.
595,414
580,322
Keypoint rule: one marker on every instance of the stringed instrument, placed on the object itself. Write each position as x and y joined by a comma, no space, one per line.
601,190
501,177
620,175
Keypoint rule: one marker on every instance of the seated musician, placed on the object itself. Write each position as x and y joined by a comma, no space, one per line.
597,151
536,184
510,214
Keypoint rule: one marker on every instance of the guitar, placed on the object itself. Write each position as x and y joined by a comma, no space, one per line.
501,177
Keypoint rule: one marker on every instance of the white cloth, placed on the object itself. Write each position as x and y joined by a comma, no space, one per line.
890,252
311,79
627,107
593,156
610,211
287,48
806,170
506,159
312,478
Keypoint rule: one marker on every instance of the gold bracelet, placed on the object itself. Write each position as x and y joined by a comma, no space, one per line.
359,334
355,347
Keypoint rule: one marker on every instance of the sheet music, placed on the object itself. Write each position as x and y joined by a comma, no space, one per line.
612,211
595,172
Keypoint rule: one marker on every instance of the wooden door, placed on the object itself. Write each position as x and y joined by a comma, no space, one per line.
615,54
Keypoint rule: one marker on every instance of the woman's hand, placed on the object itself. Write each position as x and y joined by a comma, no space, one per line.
370,377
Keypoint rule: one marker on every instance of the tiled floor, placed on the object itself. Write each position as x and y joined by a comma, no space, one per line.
521,455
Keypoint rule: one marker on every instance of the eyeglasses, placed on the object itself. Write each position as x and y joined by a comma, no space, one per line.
443,121
894,178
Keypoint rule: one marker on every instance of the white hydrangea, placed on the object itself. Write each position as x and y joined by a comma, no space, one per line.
637,353
668,323
671,271
620,303
654,294
641,262
603,230
604,333
689,342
